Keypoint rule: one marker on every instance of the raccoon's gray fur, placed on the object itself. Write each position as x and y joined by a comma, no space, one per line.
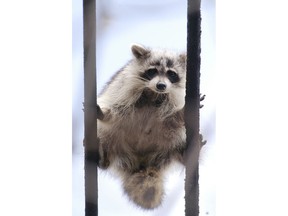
141,127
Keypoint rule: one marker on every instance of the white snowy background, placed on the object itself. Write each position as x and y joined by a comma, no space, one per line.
154,23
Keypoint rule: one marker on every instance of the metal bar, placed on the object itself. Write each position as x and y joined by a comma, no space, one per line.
90,102
192,105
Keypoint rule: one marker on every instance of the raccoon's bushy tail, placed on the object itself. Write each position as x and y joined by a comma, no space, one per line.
145,188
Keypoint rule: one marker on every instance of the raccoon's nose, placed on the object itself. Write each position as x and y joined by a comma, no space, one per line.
161,86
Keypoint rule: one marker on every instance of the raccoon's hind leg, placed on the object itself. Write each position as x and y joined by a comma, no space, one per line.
103,115
103,161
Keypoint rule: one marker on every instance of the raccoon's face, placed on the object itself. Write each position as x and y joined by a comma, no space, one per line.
160,79
161,71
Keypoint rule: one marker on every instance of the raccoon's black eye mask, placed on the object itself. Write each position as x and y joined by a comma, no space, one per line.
150,73
172,76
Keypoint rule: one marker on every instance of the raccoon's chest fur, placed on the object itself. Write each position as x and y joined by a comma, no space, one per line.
142,137
143,130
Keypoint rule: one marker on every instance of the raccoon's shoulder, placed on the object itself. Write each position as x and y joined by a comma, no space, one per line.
115,78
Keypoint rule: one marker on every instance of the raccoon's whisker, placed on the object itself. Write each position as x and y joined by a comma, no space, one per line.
141,78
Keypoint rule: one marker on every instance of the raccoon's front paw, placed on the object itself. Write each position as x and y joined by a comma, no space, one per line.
202,97
103,114
100,114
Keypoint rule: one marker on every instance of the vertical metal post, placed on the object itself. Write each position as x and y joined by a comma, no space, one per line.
192,105
90,118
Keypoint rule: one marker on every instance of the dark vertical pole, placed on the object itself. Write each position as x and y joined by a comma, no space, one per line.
90,124
192,105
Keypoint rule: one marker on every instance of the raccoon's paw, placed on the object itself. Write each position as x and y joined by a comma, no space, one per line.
202,97
103,163
145,188
103,114
100,114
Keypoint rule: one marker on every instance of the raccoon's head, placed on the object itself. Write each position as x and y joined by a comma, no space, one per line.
162,71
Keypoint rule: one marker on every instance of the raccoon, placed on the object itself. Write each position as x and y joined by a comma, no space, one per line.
141,129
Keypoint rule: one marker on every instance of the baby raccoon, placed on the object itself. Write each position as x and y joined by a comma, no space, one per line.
141,127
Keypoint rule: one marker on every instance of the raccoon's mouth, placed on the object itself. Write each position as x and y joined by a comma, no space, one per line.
151,97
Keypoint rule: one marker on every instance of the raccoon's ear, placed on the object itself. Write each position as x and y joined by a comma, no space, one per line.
183,58
140,51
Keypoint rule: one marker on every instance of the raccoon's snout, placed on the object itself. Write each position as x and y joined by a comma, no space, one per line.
161,86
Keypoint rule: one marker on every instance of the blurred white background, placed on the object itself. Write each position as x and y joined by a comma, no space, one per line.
157,23
35,91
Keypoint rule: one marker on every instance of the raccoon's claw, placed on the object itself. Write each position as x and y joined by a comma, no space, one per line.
202,142
100,114
202,97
